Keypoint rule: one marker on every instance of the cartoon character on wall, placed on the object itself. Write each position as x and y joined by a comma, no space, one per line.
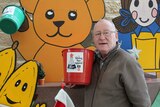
52,26
17,86
139,31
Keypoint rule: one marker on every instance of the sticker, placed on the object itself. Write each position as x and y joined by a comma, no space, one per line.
75,62
9,10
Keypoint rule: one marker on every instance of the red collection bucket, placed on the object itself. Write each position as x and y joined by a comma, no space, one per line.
77,65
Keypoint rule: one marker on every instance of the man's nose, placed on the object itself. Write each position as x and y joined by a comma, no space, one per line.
102,36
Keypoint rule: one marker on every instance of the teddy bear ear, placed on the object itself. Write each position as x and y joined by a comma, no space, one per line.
29,5
96,8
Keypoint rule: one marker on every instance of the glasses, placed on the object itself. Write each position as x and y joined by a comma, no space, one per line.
105,33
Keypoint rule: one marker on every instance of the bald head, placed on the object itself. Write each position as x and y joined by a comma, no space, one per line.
107,23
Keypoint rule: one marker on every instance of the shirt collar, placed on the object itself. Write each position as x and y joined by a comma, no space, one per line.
153,28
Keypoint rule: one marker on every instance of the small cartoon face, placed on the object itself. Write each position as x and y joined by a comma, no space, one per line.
20,88
64,26
144,12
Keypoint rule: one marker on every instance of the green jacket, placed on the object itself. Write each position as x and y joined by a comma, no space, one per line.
119,82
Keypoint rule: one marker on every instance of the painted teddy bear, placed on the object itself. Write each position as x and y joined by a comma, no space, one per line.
54,25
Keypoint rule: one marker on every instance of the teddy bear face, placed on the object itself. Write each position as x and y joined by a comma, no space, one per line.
54,26
62,27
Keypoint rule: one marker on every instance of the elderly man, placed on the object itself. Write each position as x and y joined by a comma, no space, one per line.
117,78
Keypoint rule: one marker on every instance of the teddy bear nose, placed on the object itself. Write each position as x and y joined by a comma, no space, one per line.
58,23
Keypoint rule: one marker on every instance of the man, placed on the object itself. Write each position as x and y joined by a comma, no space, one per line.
117,78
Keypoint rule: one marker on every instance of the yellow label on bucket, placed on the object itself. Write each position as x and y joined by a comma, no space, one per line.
75,62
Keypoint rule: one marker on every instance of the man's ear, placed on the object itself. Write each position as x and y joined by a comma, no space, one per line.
29,5
116,35
96,8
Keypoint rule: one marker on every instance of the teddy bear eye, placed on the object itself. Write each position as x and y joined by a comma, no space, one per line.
49,14
72,15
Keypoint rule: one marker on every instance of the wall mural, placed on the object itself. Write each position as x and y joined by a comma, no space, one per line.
49,27
53,25
139,31
17,86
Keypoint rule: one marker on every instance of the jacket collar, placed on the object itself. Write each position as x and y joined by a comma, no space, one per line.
110,54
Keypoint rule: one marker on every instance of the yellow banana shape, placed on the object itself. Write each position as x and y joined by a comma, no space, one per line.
19,89
7,63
